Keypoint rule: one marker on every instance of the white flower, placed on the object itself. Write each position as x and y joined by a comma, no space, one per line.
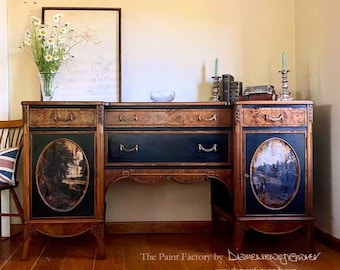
48,58
50,41
50,45
63,30
35,20
43,32
27,33
57,17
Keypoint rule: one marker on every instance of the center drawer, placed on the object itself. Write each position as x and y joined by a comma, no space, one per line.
154,147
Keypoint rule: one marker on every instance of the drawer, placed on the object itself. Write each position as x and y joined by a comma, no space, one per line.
168,118
274,116
62,117
155,147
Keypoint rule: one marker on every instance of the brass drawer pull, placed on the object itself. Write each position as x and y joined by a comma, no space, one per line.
122,148
207,150
68,118
212,118
127,119
274,119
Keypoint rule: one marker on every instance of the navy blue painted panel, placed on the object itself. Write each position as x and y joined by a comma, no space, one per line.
86,207
297,142
155,147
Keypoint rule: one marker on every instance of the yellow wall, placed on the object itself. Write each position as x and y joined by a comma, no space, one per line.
317,78
172,44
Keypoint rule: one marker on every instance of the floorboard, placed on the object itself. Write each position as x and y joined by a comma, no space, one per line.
166,252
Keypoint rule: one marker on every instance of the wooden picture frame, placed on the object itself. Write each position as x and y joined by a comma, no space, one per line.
94,73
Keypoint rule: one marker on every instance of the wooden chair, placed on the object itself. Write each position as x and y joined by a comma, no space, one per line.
11,140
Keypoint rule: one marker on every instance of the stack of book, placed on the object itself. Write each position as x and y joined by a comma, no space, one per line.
232,89
259,92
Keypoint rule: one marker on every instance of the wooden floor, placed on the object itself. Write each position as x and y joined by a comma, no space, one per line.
166,251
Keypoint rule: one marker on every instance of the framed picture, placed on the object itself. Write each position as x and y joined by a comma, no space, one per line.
94,72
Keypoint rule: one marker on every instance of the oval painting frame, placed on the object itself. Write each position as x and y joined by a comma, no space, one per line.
275,173
62,175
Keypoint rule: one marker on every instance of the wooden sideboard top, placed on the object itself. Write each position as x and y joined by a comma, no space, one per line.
166,104
151,104
66,103
274,102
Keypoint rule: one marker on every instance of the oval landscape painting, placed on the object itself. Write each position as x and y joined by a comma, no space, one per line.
274,174
62,175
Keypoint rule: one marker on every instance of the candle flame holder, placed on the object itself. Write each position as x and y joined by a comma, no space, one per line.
215,92
285,94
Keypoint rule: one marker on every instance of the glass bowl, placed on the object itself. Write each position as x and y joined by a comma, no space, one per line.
162,96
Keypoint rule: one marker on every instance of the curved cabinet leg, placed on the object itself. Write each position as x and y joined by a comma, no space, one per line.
214,221
239,229
310,236
98,231
28,232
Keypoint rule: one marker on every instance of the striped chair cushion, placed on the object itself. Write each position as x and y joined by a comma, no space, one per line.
8,161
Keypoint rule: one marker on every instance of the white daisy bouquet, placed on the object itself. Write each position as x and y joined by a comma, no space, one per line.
49,44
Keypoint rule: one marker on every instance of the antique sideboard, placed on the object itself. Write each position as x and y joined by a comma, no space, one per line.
75,150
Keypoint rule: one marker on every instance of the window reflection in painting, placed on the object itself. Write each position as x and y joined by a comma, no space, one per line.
275,173
62,175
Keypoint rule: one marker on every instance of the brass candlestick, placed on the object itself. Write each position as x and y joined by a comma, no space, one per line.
215,96
285,94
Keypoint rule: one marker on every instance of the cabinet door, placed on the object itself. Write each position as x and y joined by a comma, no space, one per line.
275,172
63,174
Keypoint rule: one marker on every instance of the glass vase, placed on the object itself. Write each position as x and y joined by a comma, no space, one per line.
47,85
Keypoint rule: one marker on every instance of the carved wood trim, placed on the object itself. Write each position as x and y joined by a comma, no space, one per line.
154,176
310,113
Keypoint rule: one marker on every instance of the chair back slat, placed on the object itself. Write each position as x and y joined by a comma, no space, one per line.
11,133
